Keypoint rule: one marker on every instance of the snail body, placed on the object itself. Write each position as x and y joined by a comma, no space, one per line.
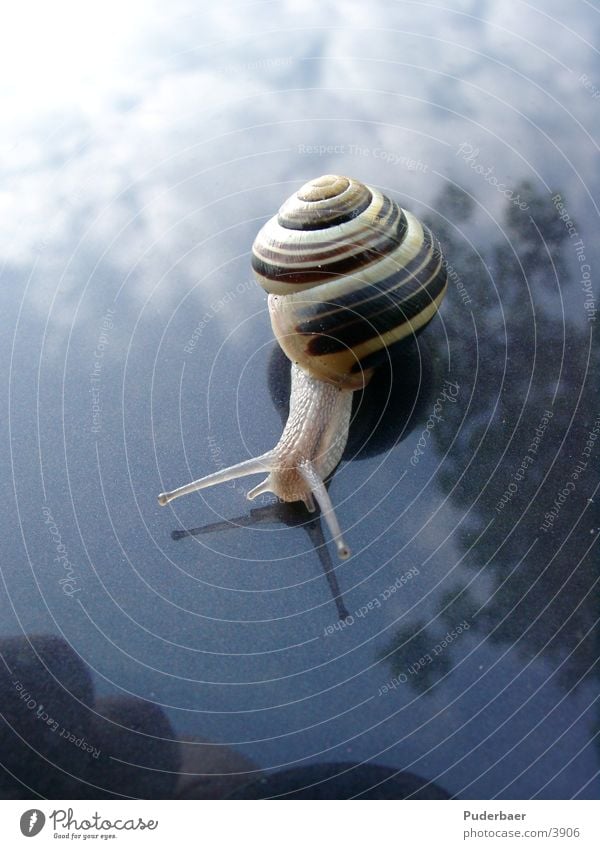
349,274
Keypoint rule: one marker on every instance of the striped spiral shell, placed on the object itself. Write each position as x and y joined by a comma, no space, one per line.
349,274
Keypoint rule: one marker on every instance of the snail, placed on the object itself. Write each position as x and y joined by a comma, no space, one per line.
349,274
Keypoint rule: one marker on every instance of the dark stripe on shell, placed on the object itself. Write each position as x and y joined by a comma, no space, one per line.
378,325
378,315
393,233
295,251
411,276
384,355
296,214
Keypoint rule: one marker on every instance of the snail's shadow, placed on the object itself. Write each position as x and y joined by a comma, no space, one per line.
383,414
294,515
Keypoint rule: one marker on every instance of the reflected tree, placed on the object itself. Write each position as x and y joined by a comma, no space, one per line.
526,351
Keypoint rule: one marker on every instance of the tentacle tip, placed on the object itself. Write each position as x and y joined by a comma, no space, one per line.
163,499
343,551
259,490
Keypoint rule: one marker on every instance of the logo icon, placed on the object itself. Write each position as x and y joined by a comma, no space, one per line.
32,822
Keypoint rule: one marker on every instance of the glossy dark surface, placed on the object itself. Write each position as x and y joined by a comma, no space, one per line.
459,643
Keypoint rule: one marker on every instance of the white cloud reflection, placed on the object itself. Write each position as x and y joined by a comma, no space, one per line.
130,127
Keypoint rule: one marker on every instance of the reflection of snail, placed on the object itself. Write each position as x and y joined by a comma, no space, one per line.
349,274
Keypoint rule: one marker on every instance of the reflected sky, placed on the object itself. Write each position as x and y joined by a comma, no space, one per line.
140,152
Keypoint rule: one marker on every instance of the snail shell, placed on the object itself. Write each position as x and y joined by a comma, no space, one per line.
350,273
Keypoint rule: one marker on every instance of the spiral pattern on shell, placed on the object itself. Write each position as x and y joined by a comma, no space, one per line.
349,274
